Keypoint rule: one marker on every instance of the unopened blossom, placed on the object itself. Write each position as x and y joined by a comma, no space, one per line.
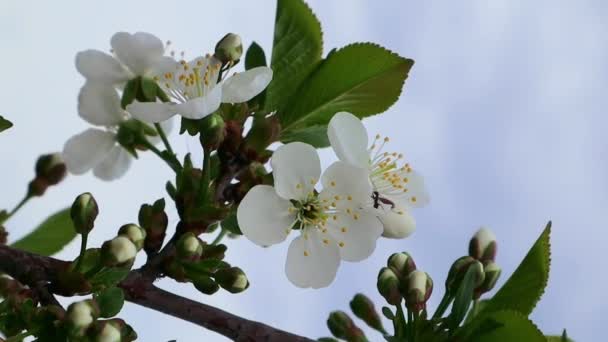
396,187
334,224
196,91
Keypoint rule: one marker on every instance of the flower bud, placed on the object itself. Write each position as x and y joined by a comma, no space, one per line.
109,332
212,131
154,220
419,287
364,308
51,168
483,245
398,223
84,212
189,246
81,314
491,274
232,279
134,233
229,48
118,251
343,327
388,286
402,264
457,271
205,285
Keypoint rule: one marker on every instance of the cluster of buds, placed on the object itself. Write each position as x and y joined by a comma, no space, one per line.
50,170
154,220
82,322
401,280
121,250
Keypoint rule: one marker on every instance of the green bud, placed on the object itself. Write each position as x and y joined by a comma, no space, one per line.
491,274
118,251
343,327
232,279
84,212
81,315
212,131
364,309
402,264
483,245
205,284
189,246
456,274
154,220
419,287
388,286
135,233
214,252
51,168
229,48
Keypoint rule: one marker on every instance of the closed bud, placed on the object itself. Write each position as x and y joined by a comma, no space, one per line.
343,327
418,289
51,168
212,131
232,279
109,332
205,284
402,264
491,274
118,251
229,48
81,314
154,220
135,233
457,271
483,245
388,286
364,308
189,246
84,212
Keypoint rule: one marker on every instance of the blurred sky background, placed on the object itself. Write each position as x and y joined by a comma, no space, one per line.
503,113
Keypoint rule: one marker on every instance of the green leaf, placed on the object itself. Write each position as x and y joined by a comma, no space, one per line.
527,284
129,92
109,277
255,56
562,338
313,135
296,51
110,301
50,236
362,78
388,313
508,326
463,298
204,266
5,124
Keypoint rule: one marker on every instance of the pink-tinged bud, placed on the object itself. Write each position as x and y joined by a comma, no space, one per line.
491,274
419,287
402,264
343,327
51,168
84,212
364,308
483,245
388,286
457,271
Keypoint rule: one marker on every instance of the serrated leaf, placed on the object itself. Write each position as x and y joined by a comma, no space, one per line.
296,51
110,301
5,124
362,78
50,236
255,56
527,284
313,135
510,326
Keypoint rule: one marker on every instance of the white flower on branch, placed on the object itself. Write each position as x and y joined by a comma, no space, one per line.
335,224
396,186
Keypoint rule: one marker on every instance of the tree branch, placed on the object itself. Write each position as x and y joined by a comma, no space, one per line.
33,270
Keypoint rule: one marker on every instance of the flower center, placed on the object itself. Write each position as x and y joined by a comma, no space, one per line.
389,174
309,212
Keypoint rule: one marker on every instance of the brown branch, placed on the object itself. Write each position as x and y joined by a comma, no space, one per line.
34,270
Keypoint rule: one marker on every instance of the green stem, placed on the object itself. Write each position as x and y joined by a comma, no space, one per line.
156,151
219,237
203,190
400,324
416,315
16,208
410,325
474,308
163,137
83,248
443,305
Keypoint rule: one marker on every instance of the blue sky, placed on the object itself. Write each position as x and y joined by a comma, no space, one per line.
503,114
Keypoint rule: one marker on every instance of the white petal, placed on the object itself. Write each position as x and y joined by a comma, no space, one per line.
264,217
296,169
209,66
346,185
310,261
416,195
398,223
84,151
162,66
199,107
348,138
151,112
98,66
115,164
139,52
355,233
99,104
243,86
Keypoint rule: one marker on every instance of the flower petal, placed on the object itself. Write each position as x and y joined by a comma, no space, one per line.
114,165
139,51
416,195
199,107
243,86
356,233
151,112
264,217
98,66
346,185
310,261
209,66
348,138
398,223
84,151
99,104
296,169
